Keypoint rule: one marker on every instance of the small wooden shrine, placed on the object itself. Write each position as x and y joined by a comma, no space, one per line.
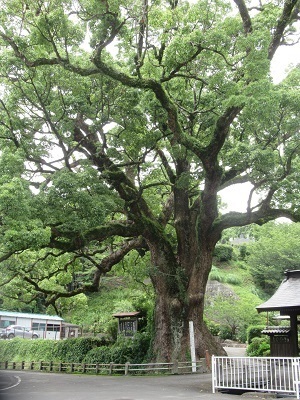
286,301
127,322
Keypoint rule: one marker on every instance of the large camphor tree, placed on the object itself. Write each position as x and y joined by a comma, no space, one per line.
121,122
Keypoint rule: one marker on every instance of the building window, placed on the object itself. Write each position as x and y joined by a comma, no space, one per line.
38,326
53,328
4,323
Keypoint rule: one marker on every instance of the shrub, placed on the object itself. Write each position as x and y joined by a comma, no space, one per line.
241,264
69,350
75,349
223,252
244,251
254,331
226,333
213,327
242,334
112,329
38,350
101,355
216,275
9,349
27,350
233,279
133,350
259,347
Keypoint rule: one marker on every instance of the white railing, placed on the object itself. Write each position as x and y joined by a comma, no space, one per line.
267,374
296,376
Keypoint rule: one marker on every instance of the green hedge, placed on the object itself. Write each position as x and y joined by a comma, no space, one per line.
124,350
27,350
259,347
101,355
223,252
254,331
68,350
77,350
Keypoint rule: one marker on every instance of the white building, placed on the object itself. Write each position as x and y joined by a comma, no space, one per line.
47,326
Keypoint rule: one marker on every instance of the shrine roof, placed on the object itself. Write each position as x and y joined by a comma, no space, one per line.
126,314
276,330
286,299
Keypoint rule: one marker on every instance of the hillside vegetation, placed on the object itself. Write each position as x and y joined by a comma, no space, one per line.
231,299
235,287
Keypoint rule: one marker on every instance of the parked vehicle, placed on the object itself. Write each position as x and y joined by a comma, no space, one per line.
18,331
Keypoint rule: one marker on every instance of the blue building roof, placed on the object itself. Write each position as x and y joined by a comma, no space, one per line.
30,316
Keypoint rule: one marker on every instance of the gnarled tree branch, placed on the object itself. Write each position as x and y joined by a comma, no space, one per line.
282,23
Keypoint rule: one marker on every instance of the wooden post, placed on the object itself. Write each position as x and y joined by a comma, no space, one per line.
294,335
175,367
208,360
111,365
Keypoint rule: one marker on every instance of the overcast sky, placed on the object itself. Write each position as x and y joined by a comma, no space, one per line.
285,59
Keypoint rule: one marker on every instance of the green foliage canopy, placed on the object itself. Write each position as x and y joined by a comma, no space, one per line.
128,118
234,314
276,249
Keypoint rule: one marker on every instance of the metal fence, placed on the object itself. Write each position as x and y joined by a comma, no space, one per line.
110,368
296,376
267,374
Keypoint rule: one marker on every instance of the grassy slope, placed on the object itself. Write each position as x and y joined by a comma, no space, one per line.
243,302
116,296
237,277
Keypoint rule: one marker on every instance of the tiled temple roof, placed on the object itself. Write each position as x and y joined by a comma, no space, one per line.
286,299
276,330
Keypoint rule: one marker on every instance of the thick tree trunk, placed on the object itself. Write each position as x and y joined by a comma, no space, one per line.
172,340
173,311
181,278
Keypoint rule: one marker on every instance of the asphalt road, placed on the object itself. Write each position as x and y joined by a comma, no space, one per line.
22,385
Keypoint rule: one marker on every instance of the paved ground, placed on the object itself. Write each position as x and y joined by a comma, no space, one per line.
22,385
235,351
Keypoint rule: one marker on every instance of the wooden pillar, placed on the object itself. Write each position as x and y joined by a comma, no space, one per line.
294,335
